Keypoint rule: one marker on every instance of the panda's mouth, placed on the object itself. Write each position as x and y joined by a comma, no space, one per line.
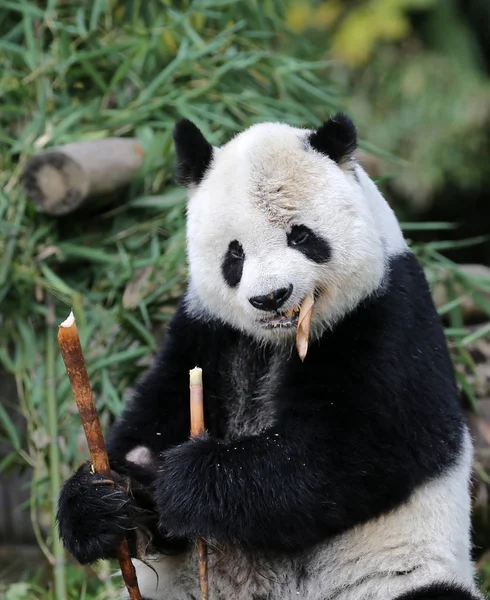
285,320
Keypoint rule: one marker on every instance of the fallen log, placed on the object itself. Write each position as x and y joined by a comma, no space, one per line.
61,179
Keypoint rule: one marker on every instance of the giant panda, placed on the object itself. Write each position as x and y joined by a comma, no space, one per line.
341,477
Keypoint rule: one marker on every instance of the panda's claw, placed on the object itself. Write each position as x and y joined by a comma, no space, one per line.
102,482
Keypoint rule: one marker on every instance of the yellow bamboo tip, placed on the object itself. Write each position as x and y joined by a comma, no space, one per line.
68,322
195,376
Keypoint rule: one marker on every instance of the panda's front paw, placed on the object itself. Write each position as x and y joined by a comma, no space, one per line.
187,490
93,516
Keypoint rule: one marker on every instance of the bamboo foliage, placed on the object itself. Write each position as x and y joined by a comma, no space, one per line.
76,70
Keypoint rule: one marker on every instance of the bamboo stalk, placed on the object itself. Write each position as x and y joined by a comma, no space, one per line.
197,428
54,467
71,351
304,322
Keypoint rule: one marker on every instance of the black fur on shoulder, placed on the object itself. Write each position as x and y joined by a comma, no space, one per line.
439,591
336,138
194,153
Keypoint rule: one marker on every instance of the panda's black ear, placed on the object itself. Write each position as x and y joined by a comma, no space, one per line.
194,153
336,138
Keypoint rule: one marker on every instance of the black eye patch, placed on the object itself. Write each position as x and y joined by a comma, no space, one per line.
310,244
232,266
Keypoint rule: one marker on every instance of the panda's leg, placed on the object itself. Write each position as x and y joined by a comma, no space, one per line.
440,591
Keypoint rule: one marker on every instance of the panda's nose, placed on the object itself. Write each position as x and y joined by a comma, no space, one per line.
272,301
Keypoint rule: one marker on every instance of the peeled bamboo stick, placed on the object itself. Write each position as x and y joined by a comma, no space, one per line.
71,351
197,428
304,323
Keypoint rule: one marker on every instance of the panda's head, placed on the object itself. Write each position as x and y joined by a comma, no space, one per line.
278,213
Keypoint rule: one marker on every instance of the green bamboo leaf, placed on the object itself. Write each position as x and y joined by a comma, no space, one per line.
455,332
7,363
481,300
140,331
28,9
90,254
165,74
55,282
449,306
7,461
9,428
119,358
428,226
450,245
476,335
162,201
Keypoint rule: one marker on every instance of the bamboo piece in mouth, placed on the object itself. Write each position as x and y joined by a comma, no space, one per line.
71,350
304,323
197,428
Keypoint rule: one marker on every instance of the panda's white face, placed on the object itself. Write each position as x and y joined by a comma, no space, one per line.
272,221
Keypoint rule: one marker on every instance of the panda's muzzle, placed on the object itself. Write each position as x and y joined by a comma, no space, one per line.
272,301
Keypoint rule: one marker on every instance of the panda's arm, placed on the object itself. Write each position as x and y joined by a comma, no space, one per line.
280,491
158,415
93,517
313,476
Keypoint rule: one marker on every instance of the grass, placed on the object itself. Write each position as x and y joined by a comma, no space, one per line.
73,71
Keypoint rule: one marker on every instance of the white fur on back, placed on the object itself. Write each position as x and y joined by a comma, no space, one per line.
428,535
386,220
260,184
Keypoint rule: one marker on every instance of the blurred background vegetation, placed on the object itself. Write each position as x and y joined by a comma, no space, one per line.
414,74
